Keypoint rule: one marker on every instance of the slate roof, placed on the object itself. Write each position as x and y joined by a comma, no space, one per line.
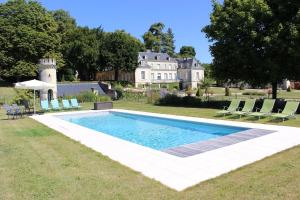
153,56
76,88
189,63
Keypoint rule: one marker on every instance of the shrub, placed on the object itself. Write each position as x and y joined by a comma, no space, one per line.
242,86
227,91
289,89
254,93
22,95
87,96
189,91
153,96
199,92
103,98
119,90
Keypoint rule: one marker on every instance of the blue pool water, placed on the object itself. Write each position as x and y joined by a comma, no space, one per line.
154,132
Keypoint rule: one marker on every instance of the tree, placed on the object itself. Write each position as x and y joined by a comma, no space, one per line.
27,33
256,41
66,28
168,41
153,37
187,52
82,51
120,52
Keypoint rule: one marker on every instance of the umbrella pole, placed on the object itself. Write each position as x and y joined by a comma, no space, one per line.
34,102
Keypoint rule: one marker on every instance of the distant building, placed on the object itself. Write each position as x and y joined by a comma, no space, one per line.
159,68
47,73
190,72
155,68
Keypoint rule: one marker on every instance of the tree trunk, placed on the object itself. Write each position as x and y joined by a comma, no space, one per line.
274,90
116,74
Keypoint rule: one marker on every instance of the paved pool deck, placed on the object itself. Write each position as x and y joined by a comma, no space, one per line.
171,169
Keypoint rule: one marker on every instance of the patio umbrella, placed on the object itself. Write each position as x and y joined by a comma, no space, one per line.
33,85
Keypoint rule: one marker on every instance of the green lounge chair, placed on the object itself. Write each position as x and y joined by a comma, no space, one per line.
289,110
45,105
55,104
266,109
232,107
248,108
74,103
66,104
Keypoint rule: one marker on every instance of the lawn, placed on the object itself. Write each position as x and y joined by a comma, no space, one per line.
39,163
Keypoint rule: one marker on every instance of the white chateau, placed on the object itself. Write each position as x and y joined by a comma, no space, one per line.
161,68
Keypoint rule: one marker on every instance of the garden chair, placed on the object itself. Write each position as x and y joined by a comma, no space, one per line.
234,105
9,111
74,103
55,104
66,104
289,110
248,108
17,110
266,109
45,105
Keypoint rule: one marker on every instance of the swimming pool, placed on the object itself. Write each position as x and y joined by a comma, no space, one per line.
154,132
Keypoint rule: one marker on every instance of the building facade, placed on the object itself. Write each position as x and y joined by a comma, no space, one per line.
160,68
190,72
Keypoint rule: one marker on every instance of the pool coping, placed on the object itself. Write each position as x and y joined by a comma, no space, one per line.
176,172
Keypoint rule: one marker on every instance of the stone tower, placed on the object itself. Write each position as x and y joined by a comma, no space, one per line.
47,73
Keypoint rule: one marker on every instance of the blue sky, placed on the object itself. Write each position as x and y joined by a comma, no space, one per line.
186,18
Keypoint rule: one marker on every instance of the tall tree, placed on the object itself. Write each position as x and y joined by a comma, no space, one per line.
82,53
187,52
120,52
66,28
168,43
27,33
154,36
255,41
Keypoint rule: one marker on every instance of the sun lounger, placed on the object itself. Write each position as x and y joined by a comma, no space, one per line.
66,104
289,110
74,103
232,107
266,109
55,104
45,105
248,108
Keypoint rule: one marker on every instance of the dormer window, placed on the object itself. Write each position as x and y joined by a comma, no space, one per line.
156,57
168,58
195,65
144,57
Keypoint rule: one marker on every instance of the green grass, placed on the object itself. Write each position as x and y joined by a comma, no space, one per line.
39,163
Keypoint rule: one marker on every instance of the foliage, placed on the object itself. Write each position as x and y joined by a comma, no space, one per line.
22,95
199,92
153,96
158,41
254,93
168,43
207,70
120,52
257,37
119,90
205,84
187,52
91,97
242,86
227,92
27,33
189,91
289,89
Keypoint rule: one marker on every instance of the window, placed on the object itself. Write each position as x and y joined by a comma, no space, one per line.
156,57
198,75
158,66
166,76
143,76
159,76
170,76
175,76
152,76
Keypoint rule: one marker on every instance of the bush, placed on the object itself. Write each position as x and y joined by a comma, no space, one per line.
91,97
23,95
153,96
289,89
189,91
199,92
227,91
254,93
119,90
242,86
